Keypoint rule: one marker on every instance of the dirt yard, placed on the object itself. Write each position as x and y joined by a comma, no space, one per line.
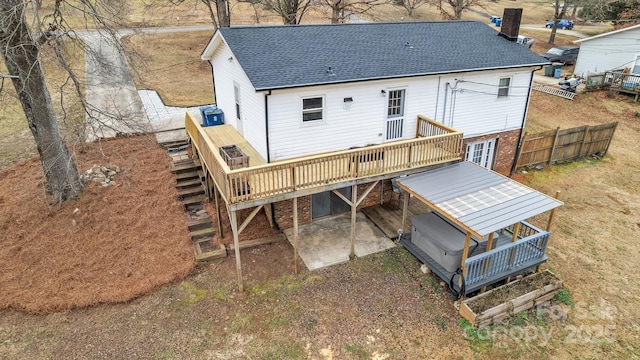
98,272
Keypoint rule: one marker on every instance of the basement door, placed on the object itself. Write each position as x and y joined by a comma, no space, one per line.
327,203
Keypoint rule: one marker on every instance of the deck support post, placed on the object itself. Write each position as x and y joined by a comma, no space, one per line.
236,246
217,203
295,235
354,207
353,203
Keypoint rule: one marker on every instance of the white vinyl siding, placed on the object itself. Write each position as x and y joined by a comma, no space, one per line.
472,108
611,52
227,73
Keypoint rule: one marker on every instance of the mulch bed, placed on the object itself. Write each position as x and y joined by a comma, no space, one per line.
112,244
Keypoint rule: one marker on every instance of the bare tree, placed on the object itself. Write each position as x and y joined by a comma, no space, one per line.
20,52
456,8
342,10
290,11
27,32
411,5
221,17
560,11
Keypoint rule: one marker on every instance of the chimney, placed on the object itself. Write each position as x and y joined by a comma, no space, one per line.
511,23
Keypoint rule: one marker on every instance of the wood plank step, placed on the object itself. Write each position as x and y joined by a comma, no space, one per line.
188,192
183,168
208,255
194,200
188,175
202,234
199,224
171,144
188,183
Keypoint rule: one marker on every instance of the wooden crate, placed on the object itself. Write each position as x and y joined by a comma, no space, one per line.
234,157
513,306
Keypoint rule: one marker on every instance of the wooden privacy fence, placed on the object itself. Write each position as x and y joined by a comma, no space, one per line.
565,145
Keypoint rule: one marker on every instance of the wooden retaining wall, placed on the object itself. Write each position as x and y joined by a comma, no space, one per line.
557,145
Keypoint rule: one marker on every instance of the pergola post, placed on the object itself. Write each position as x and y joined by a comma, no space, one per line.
295,235
512,252
487,261
405,210
465,254
553,213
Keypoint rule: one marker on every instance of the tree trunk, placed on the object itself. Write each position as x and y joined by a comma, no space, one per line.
212,15
20,54
335,11
224,16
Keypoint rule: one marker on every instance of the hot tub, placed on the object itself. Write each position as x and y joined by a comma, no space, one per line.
442,240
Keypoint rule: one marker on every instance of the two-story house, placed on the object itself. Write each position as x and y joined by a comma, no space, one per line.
328,114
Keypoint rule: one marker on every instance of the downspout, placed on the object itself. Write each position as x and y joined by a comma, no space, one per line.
435,114
266,131
444,105
524,120
266,123
213,80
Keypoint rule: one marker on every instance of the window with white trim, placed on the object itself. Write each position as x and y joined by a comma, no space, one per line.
481,152
236,96
503,87
313,109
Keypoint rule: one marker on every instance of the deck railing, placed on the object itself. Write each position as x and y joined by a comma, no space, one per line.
501,262
622,81
307,172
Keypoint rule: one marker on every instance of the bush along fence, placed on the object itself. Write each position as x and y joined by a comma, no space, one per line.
554,146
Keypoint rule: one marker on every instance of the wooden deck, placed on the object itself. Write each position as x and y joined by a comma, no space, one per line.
388,216
225,135
262,183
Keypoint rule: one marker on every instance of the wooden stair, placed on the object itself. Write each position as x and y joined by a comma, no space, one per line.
189,184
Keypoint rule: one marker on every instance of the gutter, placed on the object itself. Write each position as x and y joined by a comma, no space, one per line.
347,81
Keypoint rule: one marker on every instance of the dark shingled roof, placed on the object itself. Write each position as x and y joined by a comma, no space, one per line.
292,56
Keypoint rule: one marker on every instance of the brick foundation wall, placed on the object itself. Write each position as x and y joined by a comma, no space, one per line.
507,146
283,210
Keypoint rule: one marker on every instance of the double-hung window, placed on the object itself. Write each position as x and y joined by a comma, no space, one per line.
312,109
503,87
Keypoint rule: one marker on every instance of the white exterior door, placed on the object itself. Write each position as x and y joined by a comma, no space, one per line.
236,95
395,114
481,152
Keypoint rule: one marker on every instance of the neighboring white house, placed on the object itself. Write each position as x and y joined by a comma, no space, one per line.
614,50
300,90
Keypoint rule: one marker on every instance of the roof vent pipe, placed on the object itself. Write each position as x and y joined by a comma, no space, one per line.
511,23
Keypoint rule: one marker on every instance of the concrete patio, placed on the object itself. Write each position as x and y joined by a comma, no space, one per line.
325,242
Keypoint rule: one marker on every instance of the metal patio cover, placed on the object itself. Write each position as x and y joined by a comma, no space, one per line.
478,199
